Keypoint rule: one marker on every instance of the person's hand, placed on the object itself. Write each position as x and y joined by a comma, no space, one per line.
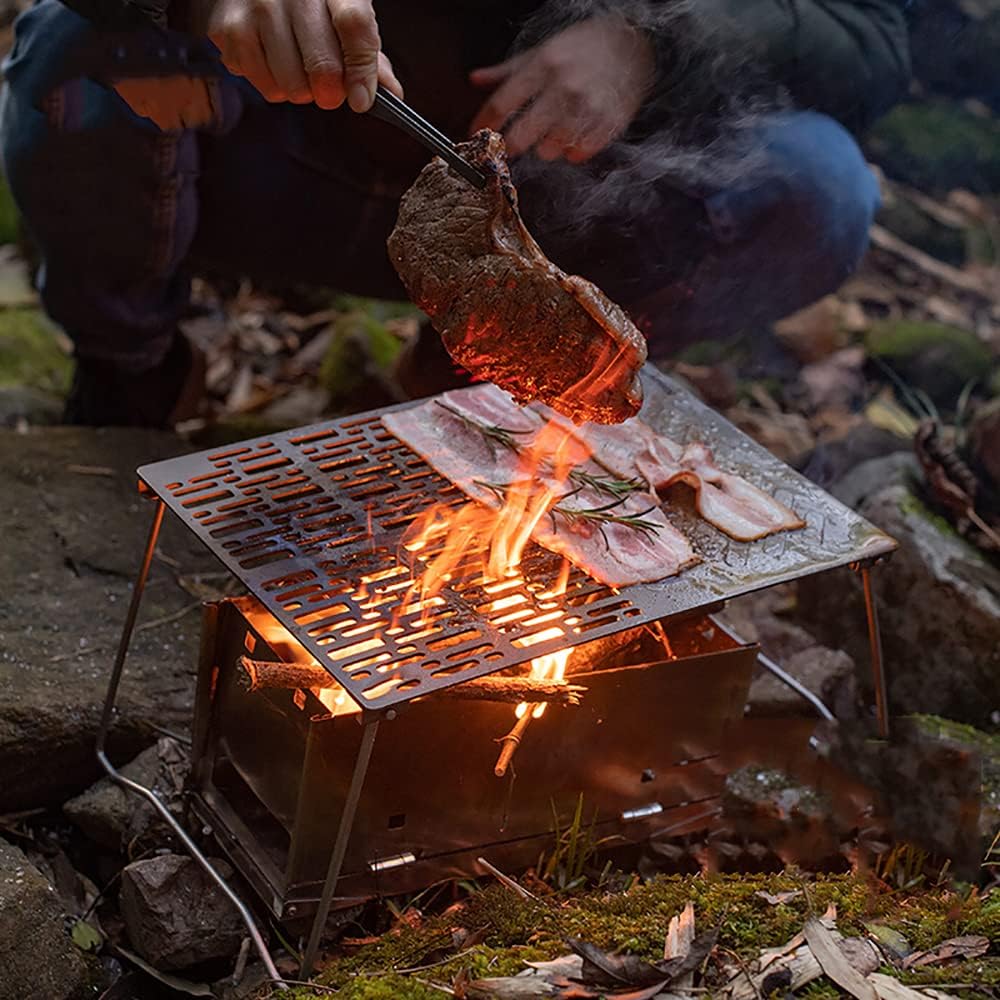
572,95
326,51
171,102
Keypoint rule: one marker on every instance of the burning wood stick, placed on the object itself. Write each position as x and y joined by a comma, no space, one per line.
510,742
263,675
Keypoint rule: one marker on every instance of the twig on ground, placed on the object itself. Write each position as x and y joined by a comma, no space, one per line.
507,881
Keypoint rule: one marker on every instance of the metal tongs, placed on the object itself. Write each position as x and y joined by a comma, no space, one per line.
391,109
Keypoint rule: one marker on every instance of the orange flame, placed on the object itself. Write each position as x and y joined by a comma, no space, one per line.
488,538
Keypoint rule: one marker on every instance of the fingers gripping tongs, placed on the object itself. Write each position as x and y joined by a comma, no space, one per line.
391,109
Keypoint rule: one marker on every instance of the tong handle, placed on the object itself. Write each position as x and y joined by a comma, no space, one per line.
391,109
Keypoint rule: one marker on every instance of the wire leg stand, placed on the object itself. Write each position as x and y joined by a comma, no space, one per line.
340,846
875,645
119,779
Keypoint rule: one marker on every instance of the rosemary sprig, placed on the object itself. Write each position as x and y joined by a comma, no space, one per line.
501,435
601,516
619,488
612,485
596,515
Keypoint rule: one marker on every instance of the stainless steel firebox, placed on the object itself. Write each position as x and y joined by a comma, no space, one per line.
272,768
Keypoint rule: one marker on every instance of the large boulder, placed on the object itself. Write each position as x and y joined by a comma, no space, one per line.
986,440
935,357
938,146
938,599
935,781
828,673
73,530
38,960
175,915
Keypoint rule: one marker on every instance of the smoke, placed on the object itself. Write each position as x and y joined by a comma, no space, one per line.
697,133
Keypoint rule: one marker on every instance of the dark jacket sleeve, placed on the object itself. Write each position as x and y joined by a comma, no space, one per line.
847,58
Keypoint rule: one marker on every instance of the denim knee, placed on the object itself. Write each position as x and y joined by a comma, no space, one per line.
811,203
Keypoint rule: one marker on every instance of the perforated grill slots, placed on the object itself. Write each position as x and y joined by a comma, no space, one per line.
312,522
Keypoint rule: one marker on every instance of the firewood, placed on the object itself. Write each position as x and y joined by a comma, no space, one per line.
510,742
264,675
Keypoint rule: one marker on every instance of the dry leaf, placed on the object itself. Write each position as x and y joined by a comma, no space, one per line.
967,946
680,937
887,988
570,966
834,963
814,332
884,412
602,968
776,899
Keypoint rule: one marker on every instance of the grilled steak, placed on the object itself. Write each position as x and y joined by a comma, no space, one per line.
504,311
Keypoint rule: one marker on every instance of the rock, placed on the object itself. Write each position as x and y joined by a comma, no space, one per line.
21,405
858,484
985,748
938,598
832,460
360,354
31,353
73,530
937,146
835,382
175,915
825,672
762,617
929,777
38,960
939,359
986,440
815,332
902,216
113,817
768,805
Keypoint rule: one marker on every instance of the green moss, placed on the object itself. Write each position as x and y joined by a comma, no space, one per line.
938,146
30,354
517,931
363,343
912,505
960,732
910,223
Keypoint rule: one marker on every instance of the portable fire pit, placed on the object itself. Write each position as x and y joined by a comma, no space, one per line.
330,648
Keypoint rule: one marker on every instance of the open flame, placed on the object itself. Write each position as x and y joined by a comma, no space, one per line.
482,541
551,667
490,539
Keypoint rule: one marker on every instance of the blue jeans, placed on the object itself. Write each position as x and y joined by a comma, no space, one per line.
122,213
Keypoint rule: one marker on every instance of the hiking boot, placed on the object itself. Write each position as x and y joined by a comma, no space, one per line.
104,395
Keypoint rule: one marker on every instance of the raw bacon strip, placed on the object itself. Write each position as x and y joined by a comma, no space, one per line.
727,501
614,554
748,512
